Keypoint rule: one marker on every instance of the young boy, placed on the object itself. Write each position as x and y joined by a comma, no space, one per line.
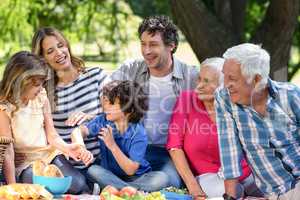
123,140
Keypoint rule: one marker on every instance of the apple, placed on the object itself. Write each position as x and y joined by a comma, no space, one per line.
128,191
111,190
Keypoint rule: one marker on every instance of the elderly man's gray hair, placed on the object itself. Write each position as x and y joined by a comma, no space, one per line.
254,60
215,63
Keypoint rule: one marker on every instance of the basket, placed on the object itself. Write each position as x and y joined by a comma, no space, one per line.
4,143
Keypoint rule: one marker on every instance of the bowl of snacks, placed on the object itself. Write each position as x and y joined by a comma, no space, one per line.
51,178
173,193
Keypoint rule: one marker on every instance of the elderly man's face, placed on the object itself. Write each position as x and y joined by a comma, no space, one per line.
208,81
239,90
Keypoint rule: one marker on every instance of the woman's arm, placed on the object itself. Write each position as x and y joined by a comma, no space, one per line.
9,156
73,150
126,164
185,172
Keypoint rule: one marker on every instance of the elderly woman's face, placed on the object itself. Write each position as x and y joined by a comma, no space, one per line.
208,81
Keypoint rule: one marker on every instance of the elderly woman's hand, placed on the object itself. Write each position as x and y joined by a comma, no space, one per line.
197,193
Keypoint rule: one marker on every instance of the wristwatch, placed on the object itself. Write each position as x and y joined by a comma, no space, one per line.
228,197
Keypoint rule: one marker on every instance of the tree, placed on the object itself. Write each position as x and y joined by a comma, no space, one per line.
101,22
212,28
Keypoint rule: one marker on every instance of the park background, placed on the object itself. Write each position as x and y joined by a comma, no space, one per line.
104,32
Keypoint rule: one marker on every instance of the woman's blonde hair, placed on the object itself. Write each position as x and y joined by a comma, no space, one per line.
19,71
36,48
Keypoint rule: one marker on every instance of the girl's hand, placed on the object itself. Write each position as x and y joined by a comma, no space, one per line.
86,156
78,118
74,151
106,135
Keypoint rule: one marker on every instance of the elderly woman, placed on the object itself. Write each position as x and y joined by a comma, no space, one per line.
193,140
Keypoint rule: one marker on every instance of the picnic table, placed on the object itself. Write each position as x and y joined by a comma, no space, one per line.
96,197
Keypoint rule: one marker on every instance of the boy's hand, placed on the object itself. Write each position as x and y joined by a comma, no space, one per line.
106,135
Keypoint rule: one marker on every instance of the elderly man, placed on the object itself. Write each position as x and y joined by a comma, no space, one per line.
260,118
163,77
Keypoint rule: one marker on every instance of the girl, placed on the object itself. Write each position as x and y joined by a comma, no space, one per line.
25,116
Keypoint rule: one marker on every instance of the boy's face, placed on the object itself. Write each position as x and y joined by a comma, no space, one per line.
113,111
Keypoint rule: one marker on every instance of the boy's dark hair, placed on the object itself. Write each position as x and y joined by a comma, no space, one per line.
131,96
164,26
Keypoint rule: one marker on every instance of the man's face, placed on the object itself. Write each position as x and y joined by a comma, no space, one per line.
239,90
154,51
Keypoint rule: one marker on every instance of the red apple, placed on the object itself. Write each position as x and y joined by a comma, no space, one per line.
101,197
128,191
111,190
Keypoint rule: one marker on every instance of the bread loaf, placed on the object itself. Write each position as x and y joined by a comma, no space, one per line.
52,171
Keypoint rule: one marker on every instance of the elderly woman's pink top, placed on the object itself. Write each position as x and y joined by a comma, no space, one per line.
192,130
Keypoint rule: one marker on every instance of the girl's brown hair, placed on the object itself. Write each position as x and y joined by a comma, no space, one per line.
19,71
36,48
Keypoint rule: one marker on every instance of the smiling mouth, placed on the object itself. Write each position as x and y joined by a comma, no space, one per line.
61,60
150,59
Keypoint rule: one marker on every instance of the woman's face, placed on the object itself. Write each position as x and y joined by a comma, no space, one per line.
32,88
208,81
56,53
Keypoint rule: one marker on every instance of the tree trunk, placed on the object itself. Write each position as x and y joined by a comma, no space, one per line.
207,36
276,33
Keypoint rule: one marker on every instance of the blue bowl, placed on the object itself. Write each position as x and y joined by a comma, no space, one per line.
175,196
56,185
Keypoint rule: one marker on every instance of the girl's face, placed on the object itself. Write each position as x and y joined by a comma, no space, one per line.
32,88
113,111
56,53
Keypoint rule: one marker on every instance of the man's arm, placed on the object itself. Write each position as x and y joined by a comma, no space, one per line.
230,149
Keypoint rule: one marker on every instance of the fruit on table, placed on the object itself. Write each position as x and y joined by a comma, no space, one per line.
155,196
176,190
111,190
127,191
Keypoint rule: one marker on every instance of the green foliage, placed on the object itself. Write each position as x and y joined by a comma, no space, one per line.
109,23
15,25
145,8
255,13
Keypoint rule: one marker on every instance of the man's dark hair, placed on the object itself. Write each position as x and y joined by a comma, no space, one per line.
164,26
131,97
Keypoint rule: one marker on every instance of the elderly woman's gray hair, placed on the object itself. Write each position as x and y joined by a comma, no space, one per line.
215,63
254,60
